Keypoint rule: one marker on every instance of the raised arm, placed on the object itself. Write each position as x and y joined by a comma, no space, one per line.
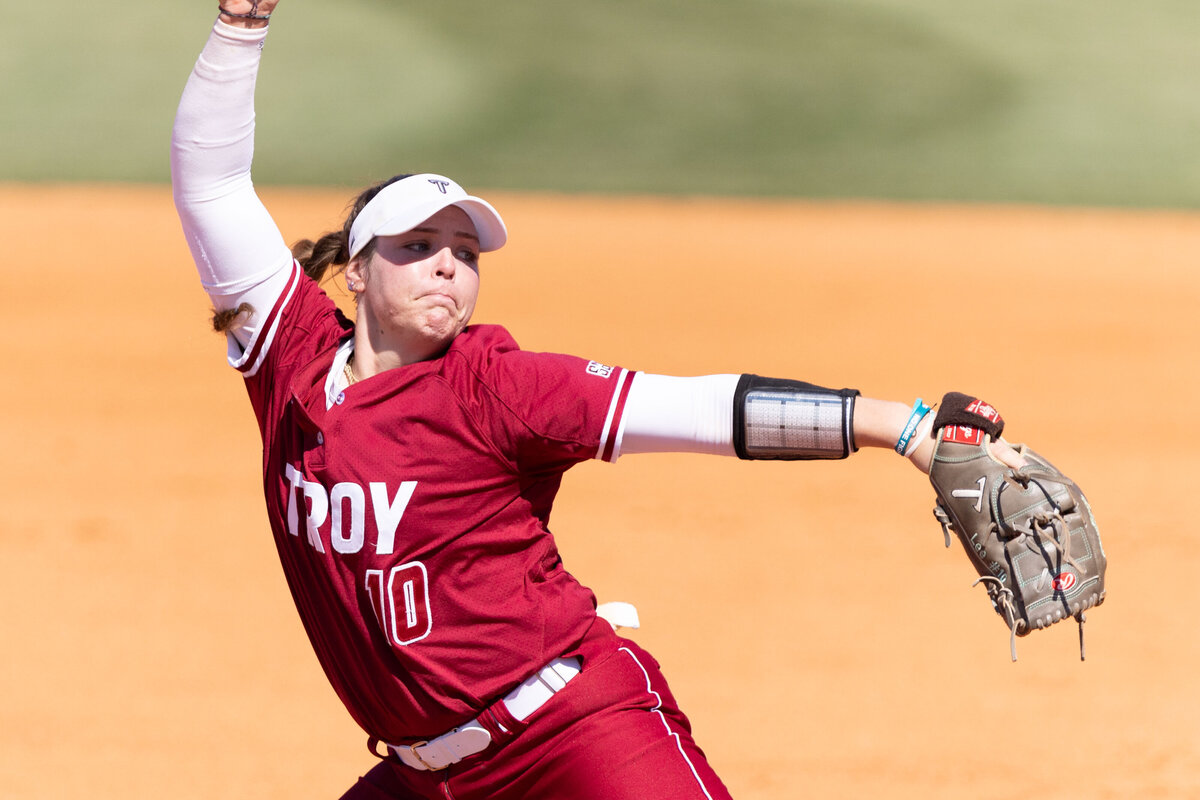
239,252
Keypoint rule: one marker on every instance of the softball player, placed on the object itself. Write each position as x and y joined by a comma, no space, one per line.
410,462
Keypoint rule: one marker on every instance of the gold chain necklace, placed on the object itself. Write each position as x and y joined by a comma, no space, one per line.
350,379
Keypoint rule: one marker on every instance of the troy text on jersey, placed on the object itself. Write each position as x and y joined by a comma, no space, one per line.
347,532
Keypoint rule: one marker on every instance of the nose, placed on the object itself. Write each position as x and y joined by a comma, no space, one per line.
444,264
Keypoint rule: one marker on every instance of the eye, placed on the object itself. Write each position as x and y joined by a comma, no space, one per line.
468,256
417,247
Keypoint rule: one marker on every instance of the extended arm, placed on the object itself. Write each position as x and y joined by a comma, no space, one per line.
723,415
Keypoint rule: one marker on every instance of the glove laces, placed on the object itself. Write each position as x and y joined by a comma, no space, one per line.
1002,599
1042,533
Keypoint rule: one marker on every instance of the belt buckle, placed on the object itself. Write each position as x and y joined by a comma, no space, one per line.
412,748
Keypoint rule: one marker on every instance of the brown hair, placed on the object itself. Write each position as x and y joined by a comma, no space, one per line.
315,258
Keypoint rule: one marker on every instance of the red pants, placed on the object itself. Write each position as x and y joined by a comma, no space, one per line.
614,733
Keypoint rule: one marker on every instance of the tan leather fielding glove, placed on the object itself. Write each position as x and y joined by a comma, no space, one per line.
1029,532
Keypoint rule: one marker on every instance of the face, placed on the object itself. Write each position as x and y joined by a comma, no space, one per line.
418,289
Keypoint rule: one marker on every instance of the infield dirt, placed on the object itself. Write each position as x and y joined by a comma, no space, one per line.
821,639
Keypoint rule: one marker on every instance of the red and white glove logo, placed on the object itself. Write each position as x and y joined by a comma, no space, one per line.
1063,581
962,434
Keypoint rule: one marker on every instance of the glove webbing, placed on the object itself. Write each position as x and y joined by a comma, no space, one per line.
1002,597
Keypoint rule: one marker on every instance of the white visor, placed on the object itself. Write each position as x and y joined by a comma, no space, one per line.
405,204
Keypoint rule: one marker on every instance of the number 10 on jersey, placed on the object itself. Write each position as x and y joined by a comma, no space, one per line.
401,602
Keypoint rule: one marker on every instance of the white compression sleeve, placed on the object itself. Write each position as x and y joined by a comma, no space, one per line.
664,414
239,252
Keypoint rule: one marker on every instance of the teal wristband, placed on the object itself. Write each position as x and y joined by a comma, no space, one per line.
919,410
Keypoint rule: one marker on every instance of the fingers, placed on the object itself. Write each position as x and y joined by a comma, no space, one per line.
1003,452
247,13
261,8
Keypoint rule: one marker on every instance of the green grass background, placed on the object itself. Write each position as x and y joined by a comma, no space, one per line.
1065,102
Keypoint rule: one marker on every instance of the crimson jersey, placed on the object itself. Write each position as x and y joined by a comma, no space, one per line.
410,510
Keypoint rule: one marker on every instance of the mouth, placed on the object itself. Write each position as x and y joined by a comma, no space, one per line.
441,298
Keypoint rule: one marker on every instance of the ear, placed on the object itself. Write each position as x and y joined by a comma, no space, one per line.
356,274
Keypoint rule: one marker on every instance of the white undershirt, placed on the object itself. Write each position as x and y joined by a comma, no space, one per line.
242,258
238,250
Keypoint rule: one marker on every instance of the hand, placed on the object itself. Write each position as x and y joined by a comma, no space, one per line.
1001,450
257,7
877,423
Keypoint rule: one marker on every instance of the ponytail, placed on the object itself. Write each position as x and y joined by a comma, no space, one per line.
333,248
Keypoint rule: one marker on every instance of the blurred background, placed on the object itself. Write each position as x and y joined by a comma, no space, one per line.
1017,101
906,197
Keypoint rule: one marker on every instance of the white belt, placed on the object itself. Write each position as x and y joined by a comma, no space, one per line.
471,737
